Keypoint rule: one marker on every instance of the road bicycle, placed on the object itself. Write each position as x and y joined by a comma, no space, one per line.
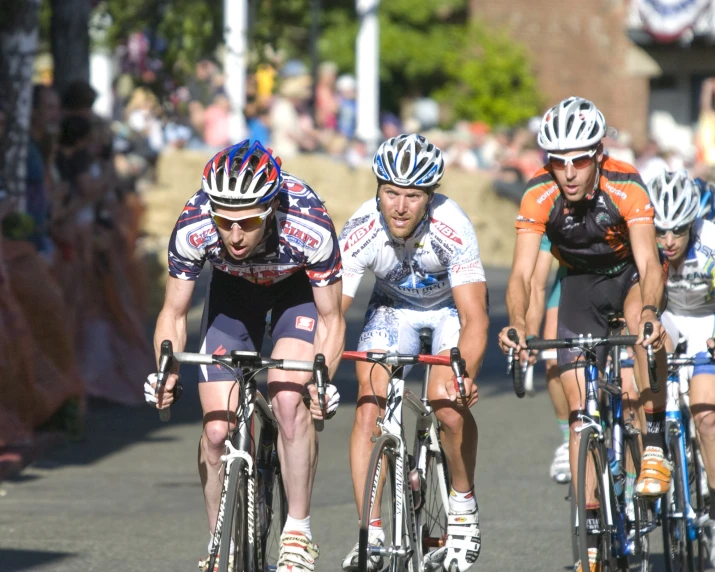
253,506
409,492
608,444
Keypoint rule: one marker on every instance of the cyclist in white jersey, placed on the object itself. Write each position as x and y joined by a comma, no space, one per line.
689,244
422,249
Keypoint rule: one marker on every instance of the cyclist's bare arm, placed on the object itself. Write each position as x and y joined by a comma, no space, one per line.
537,301
471,302
330,331
346,303
171,323
650,270
518,290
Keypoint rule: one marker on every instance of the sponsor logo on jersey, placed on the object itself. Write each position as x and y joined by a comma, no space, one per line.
445,230
473,265
358,234
547,193
201,235
615,191
295,188
304,323
521,218
322,275
297,233
640,218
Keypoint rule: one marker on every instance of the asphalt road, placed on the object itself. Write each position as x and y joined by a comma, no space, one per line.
128,498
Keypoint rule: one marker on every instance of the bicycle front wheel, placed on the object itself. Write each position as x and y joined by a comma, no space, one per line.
677,547
697,500
640,515
434,501
379,503
274,516
234,530
592,470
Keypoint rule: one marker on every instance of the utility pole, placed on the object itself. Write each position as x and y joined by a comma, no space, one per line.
235,16
368,73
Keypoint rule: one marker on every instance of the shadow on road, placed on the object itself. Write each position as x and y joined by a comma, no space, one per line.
16,560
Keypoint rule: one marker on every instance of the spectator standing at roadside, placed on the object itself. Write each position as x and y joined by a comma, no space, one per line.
326,100
347,108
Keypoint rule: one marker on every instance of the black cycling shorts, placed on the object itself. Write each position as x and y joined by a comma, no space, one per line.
235,316
586,300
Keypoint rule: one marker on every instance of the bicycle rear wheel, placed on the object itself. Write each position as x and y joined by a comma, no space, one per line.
592,466
677,547
697,500
379,502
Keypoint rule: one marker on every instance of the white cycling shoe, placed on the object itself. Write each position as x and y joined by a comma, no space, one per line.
297,553
464,542
560,467
374,563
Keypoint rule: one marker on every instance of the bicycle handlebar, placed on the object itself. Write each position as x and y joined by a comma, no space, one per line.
394,359
652,374
514,365
166,362
250,360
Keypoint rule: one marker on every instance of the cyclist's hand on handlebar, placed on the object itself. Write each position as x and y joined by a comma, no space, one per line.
505,343
657,338
470,390
170,394
332,400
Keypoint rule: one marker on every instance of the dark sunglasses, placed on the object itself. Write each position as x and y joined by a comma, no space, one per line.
560,162
245,223
678,231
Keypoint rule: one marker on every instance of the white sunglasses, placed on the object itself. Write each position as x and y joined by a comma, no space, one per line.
580,161
245,223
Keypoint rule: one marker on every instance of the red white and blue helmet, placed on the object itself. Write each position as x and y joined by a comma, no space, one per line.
243,175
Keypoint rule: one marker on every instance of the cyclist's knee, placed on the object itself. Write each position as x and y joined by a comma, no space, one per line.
451,418
215,433
705,422
366,415
291,413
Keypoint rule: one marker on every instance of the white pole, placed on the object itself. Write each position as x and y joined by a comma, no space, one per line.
235,16
368,73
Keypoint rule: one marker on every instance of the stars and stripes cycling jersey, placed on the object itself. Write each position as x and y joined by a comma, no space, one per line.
590,235
419,271
301,237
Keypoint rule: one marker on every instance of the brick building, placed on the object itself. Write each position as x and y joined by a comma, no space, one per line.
599,49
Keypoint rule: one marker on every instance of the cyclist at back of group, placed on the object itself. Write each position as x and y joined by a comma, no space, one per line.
689,244
422,249
272,247
596,213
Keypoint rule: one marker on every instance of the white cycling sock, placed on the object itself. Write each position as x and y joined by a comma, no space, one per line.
462,502
298,525
374,527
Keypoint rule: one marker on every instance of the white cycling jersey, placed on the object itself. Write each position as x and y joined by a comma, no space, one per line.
419,271
691,287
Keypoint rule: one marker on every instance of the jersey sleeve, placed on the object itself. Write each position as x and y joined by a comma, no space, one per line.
536,204
324,264
624,185
187,245
356,245
465,265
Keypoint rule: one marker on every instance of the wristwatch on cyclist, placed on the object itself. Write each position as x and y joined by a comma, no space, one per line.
653,309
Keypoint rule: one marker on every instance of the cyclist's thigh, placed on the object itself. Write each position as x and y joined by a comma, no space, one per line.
702,391
294,319
446,327
233,319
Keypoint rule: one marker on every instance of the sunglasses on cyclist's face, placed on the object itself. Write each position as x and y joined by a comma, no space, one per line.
245,223
678,231
580,161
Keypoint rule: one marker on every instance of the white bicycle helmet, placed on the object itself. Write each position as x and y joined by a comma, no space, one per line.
675,198
575,123
409,161
242,175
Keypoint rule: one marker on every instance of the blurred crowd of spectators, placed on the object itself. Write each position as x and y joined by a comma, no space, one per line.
72,288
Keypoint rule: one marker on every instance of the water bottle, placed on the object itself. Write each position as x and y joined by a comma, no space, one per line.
619,475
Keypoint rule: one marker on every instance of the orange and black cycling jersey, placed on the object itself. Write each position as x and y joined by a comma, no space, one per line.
590,235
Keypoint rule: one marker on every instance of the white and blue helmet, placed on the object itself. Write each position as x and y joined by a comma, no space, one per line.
675,197
409,161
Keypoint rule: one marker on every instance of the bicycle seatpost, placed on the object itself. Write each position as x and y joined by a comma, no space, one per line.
319,375
166,360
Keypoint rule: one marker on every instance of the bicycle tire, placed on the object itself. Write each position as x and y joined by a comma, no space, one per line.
591,448
695,471
276,515
432,513
379,495
235,523
572,522
677,554
643,510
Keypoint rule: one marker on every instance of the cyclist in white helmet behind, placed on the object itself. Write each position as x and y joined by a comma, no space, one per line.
423,251
272,247
689,244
